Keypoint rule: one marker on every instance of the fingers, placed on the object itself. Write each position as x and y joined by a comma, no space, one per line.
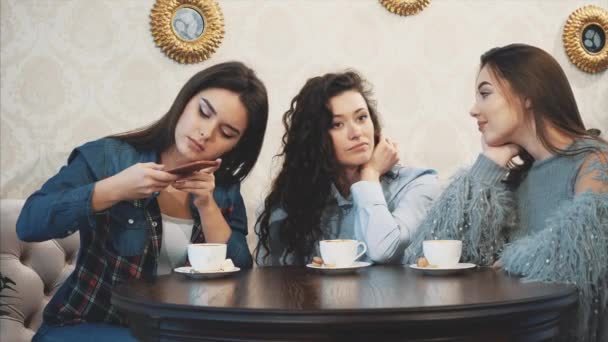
200,175
153,186
153,166
497,265
157,180
389,142
516,149
212,169
200,179
162,176
393,146
194,186
392,157
395,149
382,140
149,190
156,173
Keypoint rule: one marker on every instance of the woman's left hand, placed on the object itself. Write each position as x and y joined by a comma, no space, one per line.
385,156
201,184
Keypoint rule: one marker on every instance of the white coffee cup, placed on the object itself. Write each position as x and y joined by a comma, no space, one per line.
442,253
206,256
340,253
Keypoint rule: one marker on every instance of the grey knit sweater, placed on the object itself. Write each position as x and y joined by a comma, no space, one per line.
543,230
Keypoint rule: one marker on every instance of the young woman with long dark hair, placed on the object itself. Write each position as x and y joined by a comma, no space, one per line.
544,215
340,179
136,219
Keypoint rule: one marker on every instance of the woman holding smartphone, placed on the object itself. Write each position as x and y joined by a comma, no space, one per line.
134,217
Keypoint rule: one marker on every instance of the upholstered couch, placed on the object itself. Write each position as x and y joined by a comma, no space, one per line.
38,269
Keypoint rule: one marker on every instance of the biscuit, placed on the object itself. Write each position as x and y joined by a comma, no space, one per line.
422,262
317,261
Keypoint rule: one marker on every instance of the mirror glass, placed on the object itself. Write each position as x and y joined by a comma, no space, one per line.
594,38
188,24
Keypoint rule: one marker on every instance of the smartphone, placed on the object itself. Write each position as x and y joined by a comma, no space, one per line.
189,168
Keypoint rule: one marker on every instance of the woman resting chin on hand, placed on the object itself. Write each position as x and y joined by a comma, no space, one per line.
545,219
340,179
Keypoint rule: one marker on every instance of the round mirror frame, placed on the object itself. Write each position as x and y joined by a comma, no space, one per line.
572,37
405,7
182,50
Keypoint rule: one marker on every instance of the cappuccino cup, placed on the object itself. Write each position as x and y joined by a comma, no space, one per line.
206,256
442,253
340,253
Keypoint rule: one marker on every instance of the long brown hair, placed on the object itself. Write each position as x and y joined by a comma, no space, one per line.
535,76
303,186
233,76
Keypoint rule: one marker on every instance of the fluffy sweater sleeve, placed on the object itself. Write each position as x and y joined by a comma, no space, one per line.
475,208
572,247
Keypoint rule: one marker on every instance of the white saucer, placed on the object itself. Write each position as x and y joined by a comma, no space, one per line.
194,274
340,270
458,268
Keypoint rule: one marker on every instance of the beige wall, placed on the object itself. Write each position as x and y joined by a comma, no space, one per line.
73,71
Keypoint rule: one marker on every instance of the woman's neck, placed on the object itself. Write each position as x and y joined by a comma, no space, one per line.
348,177
532,144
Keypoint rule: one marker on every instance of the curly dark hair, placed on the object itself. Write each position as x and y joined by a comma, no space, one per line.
303,186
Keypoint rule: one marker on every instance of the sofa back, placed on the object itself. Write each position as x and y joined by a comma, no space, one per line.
38,270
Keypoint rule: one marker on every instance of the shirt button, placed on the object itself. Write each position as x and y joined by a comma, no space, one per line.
154,224
131,221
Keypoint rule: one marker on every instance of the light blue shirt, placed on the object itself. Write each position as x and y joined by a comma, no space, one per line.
382,214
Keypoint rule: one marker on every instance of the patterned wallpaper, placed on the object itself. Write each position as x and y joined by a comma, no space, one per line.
73,70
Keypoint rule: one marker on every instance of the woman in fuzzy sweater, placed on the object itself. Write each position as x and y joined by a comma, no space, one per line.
544,215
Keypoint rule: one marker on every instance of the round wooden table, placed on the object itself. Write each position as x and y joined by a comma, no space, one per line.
378,303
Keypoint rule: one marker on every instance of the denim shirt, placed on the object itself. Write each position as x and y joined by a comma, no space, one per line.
117,244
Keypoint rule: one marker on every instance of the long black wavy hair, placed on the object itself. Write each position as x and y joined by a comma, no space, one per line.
303,186
233,76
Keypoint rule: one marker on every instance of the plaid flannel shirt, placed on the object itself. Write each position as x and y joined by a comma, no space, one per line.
118,244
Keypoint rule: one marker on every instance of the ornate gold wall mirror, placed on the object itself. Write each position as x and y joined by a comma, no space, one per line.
188,31
405,7
585,36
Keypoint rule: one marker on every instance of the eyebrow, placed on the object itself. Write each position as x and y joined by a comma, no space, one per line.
483,83
209,105
355,112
